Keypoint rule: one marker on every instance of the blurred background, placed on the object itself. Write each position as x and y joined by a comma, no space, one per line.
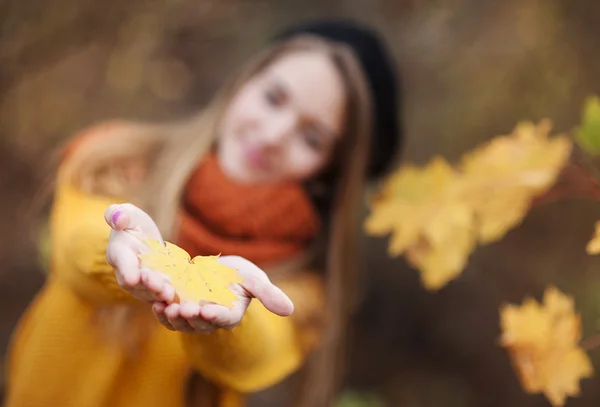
471,69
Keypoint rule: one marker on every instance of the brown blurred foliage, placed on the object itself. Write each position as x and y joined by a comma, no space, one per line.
471,70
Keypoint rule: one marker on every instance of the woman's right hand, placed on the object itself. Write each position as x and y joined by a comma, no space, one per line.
130,227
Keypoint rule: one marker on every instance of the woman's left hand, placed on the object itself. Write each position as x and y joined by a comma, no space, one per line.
205,318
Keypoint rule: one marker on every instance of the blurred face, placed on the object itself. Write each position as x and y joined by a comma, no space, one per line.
284,123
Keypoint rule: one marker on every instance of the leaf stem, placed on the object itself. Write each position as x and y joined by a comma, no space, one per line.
585,160
590,343
579,179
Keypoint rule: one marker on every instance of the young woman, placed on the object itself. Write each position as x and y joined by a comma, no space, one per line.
270,175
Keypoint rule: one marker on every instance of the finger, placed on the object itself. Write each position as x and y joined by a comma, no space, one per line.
126,264
158,309
269,295
257,283
158,284
131,218
168,294
176,320
220,316
121,254
153,281
191,312
116,218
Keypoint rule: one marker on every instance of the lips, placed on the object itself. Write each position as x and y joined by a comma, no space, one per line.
254,158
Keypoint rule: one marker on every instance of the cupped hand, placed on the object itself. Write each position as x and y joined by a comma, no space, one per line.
206,317
130,227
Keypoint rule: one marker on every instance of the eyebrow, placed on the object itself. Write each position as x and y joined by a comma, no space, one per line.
322,128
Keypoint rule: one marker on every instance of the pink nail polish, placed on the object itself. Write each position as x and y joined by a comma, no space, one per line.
115,217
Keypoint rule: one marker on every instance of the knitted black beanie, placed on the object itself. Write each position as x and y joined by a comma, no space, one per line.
382,79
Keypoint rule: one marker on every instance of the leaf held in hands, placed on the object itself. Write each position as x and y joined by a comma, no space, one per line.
542,341
588,134
202,278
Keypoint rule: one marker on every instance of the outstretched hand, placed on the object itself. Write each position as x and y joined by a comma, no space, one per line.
130,227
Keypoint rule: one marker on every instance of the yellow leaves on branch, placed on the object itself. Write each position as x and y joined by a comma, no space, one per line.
199,279
436,215
542,341
429,221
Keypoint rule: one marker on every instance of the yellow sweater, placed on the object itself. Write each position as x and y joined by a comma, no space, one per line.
62,356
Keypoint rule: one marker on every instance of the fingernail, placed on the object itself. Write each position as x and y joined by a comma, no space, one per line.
115,217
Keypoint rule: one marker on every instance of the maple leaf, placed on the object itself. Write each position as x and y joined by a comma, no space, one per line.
542,340
593,246
508,172
202,278
443,262
422,210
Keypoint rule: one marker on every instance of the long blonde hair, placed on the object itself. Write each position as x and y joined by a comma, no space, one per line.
170,152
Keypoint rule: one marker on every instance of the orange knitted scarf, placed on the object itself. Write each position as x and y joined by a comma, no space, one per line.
264,224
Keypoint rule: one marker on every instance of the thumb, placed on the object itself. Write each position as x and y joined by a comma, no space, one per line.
128,217
270,296
259,286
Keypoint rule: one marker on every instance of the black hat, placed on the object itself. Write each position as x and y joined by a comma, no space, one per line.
381,75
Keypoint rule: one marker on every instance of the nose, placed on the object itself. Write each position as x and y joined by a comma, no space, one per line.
277,128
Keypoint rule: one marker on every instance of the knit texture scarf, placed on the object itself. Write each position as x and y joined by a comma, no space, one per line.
263,223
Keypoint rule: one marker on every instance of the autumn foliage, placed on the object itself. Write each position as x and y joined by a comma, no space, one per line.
437,215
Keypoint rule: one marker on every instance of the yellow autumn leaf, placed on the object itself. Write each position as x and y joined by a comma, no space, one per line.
508,172
422,210
542,341
593,246
202,278
442,262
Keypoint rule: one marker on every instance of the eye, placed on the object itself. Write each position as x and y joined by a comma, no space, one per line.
275,96
312,137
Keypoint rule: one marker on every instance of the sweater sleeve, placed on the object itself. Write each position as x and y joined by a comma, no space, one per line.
79,236
265,348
